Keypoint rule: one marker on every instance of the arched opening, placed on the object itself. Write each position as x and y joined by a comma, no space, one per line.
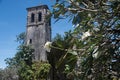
30,42
49,22
32,17
39,16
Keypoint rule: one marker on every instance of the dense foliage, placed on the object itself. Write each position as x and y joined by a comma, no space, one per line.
8,74
60,58
25,67
95,38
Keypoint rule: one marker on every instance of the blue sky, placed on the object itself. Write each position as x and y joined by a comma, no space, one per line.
13,21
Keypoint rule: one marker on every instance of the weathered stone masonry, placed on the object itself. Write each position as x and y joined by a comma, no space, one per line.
38,30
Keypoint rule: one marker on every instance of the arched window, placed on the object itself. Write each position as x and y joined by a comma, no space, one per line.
30,42
49,22
32,17
39,16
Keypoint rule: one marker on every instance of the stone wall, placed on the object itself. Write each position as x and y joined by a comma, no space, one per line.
38,32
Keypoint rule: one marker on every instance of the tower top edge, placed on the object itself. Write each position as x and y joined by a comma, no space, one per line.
39,6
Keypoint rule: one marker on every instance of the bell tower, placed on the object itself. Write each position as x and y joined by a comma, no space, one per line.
38,30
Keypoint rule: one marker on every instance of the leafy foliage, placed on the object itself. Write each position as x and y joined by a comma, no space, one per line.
37,70
26,69
8,74
98,54
59,57
41,70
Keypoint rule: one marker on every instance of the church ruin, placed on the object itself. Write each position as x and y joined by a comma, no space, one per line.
38,30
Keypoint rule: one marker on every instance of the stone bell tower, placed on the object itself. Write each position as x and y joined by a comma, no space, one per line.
38,30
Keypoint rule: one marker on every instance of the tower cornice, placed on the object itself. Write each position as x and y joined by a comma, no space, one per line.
36,7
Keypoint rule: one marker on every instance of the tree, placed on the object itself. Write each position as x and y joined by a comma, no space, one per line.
57,54
23,57
95,38
8,74
26,68
1,74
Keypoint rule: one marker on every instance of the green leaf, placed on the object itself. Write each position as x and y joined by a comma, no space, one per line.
72,52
